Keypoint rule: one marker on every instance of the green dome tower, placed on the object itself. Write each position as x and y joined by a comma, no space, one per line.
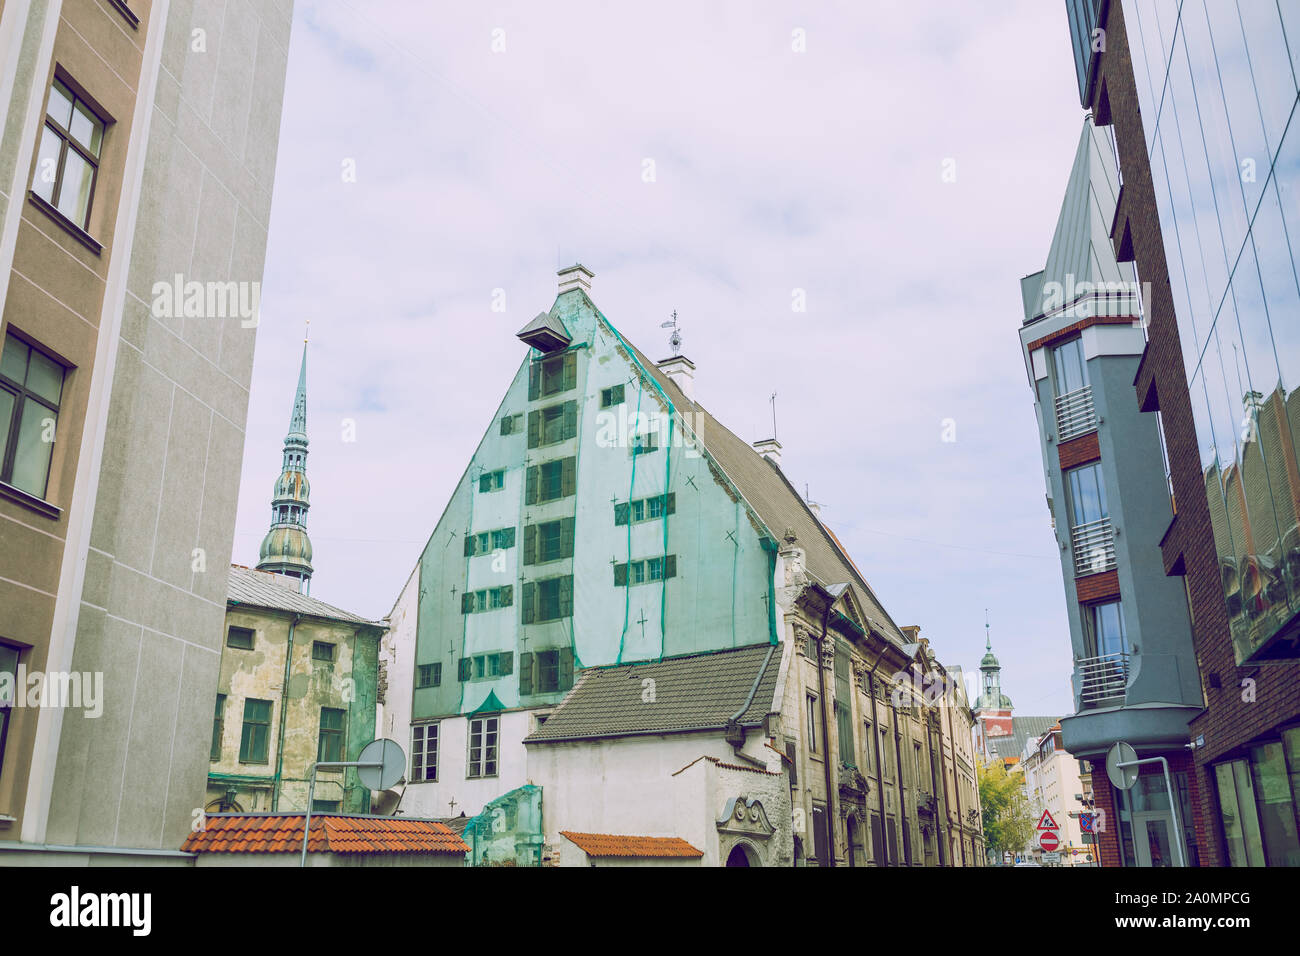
286,549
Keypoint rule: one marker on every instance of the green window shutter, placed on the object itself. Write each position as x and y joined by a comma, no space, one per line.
508,595
525,673
670,504
534,429
616,395
570,419
566,668
566,538
566,596
670,566
466,602
530,544
506,663
620,575
469,545
462,674
620,513
568,477
530,493
530,601
508,538
570,370
534,380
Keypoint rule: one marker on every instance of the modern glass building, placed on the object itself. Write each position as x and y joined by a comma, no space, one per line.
1202,97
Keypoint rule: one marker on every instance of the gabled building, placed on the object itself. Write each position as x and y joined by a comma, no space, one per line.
608,524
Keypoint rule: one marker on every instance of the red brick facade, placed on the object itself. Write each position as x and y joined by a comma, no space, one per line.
1079,451
1097,587
1188,546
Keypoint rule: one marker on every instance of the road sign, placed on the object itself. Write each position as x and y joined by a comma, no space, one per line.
1122,777
1006,857
1049,841
1051,858
1085,822
1045,822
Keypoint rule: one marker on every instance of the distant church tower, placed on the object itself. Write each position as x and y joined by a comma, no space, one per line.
286,549
992,708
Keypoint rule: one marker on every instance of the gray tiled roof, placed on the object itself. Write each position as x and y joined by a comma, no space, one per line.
249,588
778,504
695,692
1022,729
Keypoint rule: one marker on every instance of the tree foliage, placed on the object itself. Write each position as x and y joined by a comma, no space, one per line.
1008,817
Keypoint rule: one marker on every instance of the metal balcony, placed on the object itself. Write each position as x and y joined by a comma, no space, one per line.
1074,414
1094,547
1102,679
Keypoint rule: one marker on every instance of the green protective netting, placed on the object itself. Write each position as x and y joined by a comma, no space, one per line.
508,832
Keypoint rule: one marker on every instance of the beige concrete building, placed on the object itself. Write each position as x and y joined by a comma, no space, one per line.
1054,784
136,170
298,685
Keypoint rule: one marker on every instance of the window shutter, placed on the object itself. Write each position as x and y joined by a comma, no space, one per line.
566,538
570,419
506,663
534,380
466,602
525,673
462,673
530,544
508,538
570,370
566,668
620,575
534,429
670,503
530,599
505,425
567,477
508,595
469,545
620,513
566,596
616,395
670,566
530,493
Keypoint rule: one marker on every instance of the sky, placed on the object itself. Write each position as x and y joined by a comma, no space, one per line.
894,167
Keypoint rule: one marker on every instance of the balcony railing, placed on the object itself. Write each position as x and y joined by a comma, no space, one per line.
1094,547
1103,679
1074,414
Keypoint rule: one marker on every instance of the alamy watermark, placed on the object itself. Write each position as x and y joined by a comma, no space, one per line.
76,690
179,299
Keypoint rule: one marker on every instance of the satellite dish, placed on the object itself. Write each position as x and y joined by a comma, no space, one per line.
1122,777
389,754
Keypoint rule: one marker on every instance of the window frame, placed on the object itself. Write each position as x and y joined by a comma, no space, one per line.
252,637
6,709
489,754
247,740
420,751
68,139
336,739
329,652
218,730
22,393
435,672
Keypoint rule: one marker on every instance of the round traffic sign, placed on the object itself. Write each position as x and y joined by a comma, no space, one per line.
1122,777
1049,841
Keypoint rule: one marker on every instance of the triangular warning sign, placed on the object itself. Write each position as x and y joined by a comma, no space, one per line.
1045,822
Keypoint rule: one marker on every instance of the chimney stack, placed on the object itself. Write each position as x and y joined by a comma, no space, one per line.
770,449
576,276
682,371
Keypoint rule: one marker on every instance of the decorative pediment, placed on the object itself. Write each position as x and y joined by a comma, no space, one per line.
743,816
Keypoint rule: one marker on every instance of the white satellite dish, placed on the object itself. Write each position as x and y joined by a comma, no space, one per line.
392,764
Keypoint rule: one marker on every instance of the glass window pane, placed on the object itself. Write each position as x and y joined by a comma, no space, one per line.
13,363
1270,66
45,377
1276,811
74,191
7,400
35,442
60,104
47,164
87,129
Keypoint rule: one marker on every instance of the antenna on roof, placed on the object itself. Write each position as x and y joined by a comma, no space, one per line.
773,401
674,340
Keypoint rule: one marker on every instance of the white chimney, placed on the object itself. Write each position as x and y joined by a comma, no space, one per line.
770,449
682,371
576,276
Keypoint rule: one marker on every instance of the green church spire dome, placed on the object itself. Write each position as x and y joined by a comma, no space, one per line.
286,549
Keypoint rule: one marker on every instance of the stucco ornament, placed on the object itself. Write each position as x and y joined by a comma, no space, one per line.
743,816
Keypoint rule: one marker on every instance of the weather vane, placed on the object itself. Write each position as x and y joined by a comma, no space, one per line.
674,340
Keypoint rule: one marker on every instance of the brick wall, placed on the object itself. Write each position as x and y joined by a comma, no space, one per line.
1097,587
1229,721
1079,451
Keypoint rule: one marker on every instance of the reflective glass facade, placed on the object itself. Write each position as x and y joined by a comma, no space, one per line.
1217,87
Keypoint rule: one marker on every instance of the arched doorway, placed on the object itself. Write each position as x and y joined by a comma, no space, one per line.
742,855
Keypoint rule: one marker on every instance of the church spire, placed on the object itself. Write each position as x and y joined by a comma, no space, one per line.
286,549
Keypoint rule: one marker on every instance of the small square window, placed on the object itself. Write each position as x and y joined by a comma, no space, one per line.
240,638
322,651
655,569
638,509
428,675
491,481
611,396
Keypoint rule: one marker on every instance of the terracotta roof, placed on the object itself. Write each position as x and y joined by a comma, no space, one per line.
252,588
694,692
615,844
732,766
282,833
